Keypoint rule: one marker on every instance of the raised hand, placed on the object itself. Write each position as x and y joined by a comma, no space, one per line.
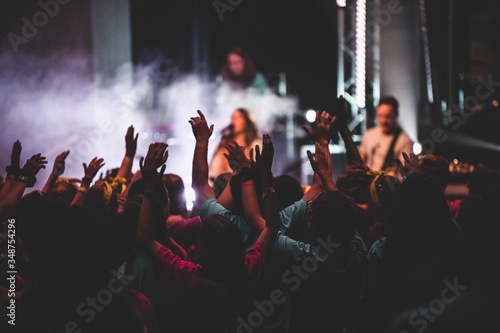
322,166
236,157
34,164
91,170
200,127
412,164
15,155
59,163
156,157
130,142
322,124
264,160
320,162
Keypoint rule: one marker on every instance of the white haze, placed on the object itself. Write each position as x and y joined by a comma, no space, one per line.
54,104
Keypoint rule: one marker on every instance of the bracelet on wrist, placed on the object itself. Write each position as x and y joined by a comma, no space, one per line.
247,182
30,181
26,177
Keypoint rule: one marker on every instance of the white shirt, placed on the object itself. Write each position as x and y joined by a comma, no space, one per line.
375,146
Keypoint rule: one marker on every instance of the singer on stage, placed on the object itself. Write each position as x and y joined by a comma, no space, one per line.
243,131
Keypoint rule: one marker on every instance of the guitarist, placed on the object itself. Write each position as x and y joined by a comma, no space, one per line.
382,144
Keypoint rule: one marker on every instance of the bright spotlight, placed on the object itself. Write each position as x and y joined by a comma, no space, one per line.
190,197
341,3
417,148
360,53
311,116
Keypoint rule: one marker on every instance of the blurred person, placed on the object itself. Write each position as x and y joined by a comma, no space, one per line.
241,130
239,72
387,141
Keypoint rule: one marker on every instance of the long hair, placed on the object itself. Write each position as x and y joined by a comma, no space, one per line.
420,233
175,188
248,75
222,253
250,131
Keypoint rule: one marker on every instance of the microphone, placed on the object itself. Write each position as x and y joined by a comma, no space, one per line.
227,130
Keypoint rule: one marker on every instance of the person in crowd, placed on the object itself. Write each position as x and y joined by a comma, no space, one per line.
387,141
408,268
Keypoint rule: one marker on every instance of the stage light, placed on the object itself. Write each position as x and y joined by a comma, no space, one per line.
311,115
190,197
341,3
360,53
494,103
417,148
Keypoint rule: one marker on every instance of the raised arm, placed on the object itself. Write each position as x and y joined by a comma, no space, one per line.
156,157
89,172
270,205
202,134
321,135
26,177
251,208
125,170
321,164
13,169
57,170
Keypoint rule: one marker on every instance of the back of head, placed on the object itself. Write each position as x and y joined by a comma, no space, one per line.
419,222
175,188
221,247
355,183
329,218
382,190
101,197
437,166
65,189
288,190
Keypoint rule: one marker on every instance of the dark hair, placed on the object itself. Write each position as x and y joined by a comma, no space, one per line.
419,223
288,190
392,101
437,166
355,182
248,75
222,253
328,217
65,189
102,196
251,132
175,188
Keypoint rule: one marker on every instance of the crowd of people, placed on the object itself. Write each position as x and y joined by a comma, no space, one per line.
369,252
